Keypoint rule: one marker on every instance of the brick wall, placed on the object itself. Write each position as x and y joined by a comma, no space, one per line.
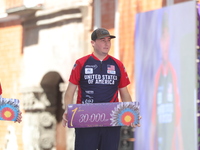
108,18
10,68
108,13
127,10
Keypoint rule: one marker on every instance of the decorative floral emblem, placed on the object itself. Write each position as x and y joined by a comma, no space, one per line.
125,114
9,109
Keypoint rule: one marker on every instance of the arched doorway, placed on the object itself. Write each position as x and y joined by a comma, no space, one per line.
50,84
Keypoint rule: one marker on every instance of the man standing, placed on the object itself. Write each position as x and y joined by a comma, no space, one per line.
166,111
98,77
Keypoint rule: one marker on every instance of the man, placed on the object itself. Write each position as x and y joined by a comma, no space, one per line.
166,114
98,77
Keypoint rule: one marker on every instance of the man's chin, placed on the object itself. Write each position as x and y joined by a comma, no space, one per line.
105,52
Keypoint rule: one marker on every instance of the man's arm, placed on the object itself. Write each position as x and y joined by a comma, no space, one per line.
124,94
126,97
68,99
19,118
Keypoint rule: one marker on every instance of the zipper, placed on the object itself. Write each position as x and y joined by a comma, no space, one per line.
101,65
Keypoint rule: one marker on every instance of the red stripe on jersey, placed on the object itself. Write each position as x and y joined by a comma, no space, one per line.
115,97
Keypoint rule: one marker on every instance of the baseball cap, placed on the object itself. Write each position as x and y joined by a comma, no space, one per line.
100,33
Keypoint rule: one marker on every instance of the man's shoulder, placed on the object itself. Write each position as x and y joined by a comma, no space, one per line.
116,60
84,58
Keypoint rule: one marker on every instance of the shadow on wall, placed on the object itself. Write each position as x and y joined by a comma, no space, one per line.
50,84
32,26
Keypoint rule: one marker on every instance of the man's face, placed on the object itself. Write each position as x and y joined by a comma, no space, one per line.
102,46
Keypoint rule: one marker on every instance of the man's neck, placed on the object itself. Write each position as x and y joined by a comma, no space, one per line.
100,57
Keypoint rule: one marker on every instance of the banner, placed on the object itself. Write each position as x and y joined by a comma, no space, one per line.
165,71
102,114
9,109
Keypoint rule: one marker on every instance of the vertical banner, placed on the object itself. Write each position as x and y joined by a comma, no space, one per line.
198,70
165,71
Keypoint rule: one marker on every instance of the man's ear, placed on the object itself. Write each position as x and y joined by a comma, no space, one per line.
92,42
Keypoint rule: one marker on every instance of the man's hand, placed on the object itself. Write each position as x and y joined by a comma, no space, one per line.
137,125
19,119
64,120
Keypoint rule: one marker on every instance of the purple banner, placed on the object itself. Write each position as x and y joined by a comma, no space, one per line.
165,76
103,114
198,69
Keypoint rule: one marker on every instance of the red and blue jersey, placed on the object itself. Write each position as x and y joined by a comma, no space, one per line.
98,81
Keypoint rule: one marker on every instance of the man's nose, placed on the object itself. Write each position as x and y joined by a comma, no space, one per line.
106,42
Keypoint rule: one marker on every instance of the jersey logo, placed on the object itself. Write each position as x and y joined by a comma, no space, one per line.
89,92
88,70
111,69
91,66
74,66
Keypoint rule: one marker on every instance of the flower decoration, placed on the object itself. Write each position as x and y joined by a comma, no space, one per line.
9,109
8,112
124,114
